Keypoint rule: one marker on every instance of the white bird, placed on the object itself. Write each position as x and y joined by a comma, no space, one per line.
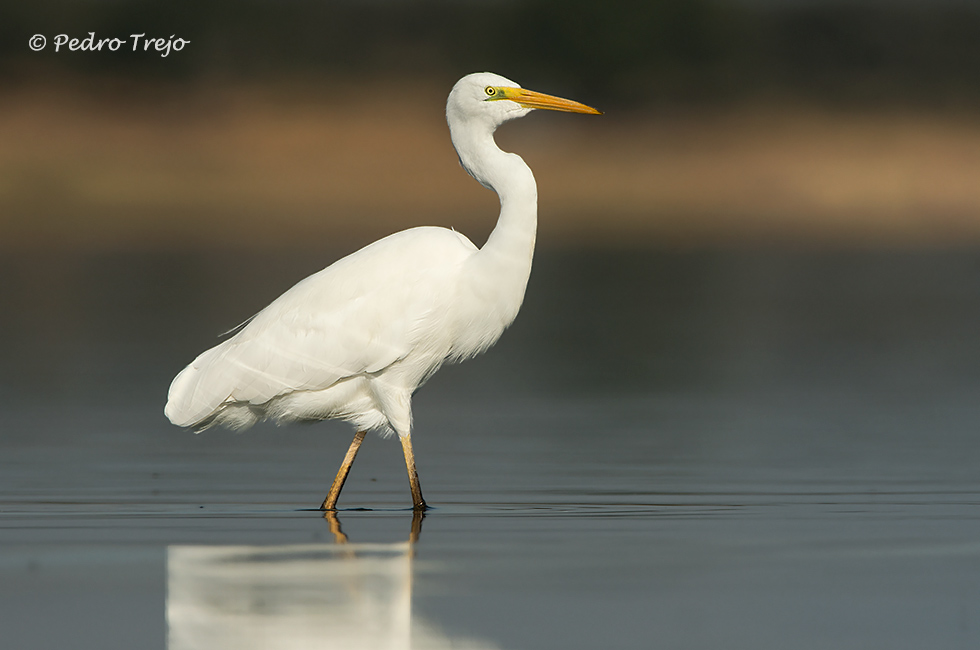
355,340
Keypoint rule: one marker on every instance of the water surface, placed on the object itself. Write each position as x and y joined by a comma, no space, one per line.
683,450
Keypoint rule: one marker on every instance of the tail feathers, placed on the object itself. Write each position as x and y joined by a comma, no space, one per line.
195,400
235,416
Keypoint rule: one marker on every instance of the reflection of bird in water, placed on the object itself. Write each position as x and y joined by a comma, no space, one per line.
299,597
355,340
338,534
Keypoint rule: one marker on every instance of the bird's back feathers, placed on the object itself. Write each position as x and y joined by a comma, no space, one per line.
357,317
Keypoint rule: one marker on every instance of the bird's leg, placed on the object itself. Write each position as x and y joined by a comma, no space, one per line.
330,503
418,503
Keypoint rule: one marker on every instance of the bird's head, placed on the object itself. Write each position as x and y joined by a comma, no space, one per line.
490,99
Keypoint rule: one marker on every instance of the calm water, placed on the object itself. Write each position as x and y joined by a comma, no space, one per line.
668,450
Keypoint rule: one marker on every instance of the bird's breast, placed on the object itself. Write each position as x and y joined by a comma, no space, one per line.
487,301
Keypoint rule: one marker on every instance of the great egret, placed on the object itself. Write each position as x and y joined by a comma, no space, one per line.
355,340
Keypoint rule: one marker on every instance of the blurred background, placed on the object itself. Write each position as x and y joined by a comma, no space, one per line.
282,124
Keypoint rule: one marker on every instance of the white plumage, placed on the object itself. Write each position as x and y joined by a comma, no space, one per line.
355,340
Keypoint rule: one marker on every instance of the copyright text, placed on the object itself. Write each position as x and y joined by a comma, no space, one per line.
138,42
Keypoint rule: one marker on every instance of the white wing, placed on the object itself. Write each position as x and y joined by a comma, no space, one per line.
359,315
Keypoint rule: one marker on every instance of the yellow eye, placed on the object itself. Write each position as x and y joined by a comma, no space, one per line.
491,91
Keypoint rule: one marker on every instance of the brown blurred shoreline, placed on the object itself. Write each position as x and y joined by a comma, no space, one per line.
286,167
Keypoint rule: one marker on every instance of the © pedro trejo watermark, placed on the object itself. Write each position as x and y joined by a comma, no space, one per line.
140,43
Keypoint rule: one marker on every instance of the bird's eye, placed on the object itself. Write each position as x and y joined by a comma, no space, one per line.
491,91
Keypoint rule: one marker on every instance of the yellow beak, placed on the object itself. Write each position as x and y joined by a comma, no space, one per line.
532,99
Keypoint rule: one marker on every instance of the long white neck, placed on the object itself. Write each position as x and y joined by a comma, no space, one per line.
502,267
512,180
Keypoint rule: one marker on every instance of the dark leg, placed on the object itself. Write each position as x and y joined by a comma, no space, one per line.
330,503
418,503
